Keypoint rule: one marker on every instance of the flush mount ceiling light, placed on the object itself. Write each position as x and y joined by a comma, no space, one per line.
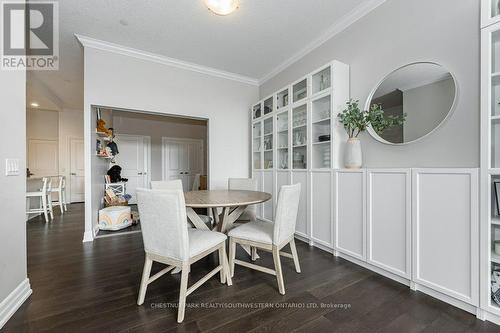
35,104
222,7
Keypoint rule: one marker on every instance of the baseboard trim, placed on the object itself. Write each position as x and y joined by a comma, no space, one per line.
14,300
88,236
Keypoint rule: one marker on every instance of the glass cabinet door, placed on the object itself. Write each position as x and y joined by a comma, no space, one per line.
268,143
256,111
282,130
282,99
300,90
321,132
321,80
256,145
494,8
299,137
268,106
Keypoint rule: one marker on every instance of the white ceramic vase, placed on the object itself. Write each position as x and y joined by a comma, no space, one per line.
353,154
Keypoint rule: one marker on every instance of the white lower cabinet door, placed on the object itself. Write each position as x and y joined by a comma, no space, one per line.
321,208
257,175
446,232
268,178
301,228
349,213
282,178
389,220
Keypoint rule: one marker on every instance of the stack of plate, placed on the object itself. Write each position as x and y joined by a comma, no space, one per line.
326,157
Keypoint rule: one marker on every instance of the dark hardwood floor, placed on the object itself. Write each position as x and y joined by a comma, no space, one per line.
89,287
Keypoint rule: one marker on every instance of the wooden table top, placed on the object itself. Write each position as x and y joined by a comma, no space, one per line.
224,198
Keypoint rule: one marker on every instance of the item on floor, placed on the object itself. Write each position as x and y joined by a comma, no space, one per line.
323,138
101,128
135,217
114,218
111,199
114,174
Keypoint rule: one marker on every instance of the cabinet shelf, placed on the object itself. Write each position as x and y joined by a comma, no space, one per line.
324,121
299,126
300,146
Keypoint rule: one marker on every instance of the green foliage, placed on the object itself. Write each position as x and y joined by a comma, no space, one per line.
356,121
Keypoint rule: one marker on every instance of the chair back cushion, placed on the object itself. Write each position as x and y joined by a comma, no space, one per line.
167,185
163,222
245,184
286,213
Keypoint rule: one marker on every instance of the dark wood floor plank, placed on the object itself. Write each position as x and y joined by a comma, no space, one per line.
93,287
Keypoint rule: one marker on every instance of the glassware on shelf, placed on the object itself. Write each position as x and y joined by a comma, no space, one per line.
268,142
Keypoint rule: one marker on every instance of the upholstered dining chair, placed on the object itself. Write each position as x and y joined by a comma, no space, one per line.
168,241
271,237
245,184
177,185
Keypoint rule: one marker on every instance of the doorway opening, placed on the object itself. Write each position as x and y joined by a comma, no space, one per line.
143,147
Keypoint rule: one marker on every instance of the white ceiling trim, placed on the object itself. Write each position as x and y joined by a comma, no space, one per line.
350,18
128,51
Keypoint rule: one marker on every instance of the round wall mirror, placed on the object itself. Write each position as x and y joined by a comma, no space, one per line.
424,93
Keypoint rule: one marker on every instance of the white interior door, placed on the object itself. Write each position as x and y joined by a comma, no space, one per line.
77,171
182,159
133,158
43,158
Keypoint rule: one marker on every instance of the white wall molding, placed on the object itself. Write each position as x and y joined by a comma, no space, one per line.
144,55
349,19
14,300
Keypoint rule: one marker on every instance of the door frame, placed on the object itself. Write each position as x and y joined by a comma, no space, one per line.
147,152
164,155
69,184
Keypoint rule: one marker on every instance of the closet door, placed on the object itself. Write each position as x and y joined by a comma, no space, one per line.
349,207
446,231
389,220
321,208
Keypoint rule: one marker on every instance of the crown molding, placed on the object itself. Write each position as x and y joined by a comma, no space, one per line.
349,19
144,55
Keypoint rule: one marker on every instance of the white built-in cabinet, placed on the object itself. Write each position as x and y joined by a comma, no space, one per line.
417,226
350,213
388,222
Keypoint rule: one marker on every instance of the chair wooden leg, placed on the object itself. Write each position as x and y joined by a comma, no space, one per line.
222,272
232,255
61,207
144,281
51,209
182,293
277,266
295,255
64,200
226,266
44,208
254,253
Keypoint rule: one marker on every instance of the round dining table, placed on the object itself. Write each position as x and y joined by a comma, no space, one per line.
231,202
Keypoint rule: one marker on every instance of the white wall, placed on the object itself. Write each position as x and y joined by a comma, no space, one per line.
157,127
42,124
120,81
397,33
13,272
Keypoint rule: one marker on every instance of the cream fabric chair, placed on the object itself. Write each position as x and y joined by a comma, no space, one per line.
177,185
168,241
271,237
245,184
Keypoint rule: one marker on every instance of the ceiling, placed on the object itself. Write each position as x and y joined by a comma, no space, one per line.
259,37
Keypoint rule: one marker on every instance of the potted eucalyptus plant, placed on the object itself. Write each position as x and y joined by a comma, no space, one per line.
356,121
